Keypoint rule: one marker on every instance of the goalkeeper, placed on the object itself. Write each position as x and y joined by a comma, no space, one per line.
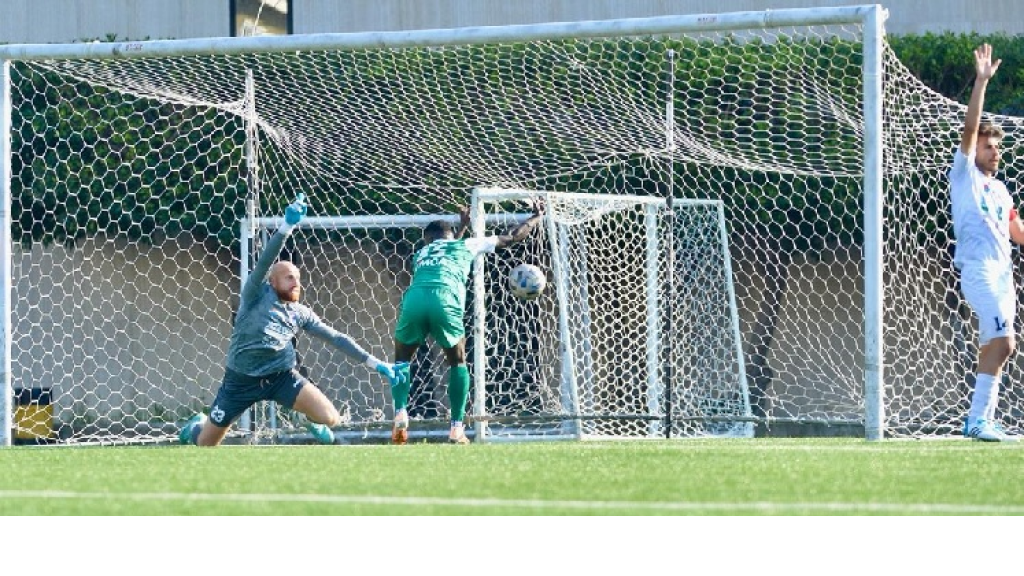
261,358
433,305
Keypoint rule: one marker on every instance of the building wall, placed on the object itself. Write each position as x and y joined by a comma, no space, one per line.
44,21
905,16
39,21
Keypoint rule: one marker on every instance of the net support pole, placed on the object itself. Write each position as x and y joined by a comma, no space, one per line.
874,416
670,225
478,220
741,364
248,256
6,256
560,271
651,213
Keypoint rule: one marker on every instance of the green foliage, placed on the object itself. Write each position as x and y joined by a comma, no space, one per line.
945,63
89,160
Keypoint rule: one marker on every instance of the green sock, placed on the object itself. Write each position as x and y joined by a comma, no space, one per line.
458,391
400,393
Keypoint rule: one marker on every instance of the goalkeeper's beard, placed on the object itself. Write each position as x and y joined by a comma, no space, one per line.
289,295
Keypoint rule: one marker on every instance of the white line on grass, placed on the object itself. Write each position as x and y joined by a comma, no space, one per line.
770,507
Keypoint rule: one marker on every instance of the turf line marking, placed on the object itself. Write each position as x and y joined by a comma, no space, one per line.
776,507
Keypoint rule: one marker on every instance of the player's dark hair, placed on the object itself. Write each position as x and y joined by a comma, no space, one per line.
436,229
986,130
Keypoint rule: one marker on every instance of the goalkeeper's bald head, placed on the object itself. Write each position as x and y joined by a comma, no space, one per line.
286,280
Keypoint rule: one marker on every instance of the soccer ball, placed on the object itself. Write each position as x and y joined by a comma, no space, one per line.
527,281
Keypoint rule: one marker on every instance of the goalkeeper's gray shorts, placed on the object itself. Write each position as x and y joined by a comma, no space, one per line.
239,391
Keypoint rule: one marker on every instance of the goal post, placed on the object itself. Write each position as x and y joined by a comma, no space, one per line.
126,168
596,339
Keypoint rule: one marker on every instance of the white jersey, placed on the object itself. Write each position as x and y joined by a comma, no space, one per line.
982,211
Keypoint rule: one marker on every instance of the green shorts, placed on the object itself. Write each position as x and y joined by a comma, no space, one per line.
430,312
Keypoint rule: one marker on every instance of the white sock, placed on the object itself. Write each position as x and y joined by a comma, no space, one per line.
983,391
993,401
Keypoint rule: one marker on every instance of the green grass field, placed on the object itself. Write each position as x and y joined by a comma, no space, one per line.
683,477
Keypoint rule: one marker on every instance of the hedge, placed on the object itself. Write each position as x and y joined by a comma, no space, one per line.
89,160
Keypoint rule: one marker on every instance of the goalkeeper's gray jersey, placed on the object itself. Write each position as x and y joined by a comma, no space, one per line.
261,341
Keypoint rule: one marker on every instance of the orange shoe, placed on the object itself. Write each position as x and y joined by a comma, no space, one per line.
458,436
400,431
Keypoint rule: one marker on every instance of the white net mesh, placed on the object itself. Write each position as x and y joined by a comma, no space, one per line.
589,357
130,178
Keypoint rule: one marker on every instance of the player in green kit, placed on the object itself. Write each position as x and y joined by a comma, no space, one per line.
433,305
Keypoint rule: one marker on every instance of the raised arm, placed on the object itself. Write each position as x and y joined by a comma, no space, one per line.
292,216
464,222
523,231
984,69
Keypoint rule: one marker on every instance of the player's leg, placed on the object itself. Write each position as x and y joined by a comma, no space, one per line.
458,390
1001,355
236,394
292,390
400,392
211,434
410,332
450,333
989,293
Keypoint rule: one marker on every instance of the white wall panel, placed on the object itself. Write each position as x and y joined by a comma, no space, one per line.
41,21
906,16
71,20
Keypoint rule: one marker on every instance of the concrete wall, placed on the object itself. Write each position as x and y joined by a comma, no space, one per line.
36,21
127,332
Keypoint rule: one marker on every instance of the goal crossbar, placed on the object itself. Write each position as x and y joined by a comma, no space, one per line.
442,37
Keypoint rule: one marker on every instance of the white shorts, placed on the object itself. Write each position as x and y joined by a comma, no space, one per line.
989,290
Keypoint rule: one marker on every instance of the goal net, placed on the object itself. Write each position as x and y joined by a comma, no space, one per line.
638,329
590,358
135,175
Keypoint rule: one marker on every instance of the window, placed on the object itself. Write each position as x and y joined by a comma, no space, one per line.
261,17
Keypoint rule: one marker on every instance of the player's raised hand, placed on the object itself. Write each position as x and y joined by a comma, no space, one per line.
983,64
296,210
537,204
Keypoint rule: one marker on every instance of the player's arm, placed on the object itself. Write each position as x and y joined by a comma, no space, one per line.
464,222
315,326
522,231
1016,227
292,216
984,69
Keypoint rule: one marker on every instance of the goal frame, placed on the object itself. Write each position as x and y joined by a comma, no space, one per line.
870,16
655,314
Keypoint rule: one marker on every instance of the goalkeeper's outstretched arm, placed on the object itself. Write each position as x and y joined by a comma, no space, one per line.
315,326
293,215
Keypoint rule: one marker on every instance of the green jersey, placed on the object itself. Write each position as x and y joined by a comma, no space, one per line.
434,303
446,263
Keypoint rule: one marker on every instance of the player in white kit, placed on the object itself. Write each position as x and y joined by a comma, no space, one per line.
985,222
